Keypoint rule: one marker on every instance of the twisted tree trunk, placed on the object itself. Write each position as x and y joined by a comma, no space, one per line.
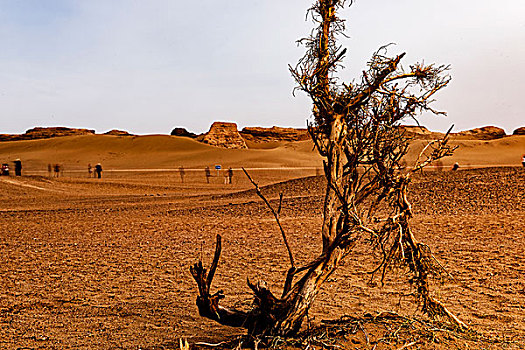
355,128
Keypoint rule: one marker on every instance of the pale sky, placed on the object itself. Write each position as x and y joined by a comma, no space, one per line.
149,66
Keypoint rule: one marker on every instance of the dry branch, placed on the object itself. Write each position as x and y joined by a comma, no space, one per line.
356,128
275,214
207,303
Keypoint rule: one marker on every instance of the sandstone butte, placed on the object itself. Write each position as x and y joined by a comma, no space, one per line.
275,133
225,135
44,133
484,133
116,132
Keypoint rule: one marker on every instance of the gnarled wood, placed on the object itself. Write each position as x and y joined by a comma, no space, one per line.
356,130
207,303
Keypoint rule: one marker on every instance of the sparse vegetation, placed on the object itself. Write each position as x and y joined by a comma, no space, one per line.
356,131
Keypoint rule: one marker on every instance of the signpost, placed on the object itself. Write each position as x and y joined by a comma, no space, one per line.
218,168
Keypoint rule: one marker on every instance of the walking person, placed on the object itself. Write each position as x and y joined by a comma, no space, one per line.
230,175
181,173
18,167
523,160
207,172
56,168
90,170
49,170
98,170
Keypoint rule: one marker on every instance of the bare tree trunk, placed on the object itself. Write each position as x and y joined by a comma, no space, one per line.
356,126
307,289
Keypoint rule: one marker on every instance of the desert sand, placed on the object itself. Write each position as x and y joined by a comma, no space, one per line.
165,152
104,264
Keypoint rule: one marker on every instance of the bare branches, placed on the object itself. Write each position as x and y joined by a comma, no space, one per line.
216,256
357,130
438,149
207,303
275,214
198,272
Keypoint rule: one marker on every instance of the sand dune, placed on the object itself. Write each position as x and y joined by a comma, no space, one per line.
145,152
170,152
506,151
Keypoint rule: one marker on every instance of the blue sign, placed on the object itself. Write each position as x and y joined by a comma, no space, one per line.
218,167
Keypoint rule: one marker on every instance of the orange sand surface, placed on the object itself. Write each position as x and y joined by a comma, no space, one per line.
74,153
104,264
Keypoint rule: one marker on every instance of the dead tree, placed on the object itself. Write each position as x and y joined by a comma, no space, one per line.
356,129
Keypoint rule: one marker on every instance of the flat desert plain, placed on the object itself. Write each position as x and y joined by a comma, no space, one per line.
104,263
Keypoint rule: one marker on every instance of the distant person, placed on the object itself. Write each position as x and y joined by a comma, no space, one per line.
98,170
18,167
523,160
455,166
230,175
49,169
90,170
207,172
182,173
5,170
56,169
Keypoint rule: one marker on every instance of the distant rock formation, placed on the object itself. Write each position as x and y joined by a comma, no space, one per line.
182,132
8,137
415,131
116,132
225,135
45,133
56,132
275,133
519,131
418,132
484,133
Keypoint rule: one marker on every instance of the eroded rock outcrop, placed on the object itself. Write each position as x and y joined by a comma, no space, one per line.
225,135
116,132
420,132
415,131
519,131
275,133
45,133
484,133
182,132
57,132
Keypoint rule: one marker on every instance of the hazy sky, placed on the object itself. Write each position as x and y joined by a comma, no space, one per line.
149,66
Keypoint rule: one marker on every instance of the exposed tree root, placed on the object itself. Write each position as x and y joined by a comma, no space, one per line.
385,330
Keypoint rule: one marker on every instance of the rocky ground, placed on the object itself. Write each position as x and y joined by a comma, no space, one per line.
104,264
